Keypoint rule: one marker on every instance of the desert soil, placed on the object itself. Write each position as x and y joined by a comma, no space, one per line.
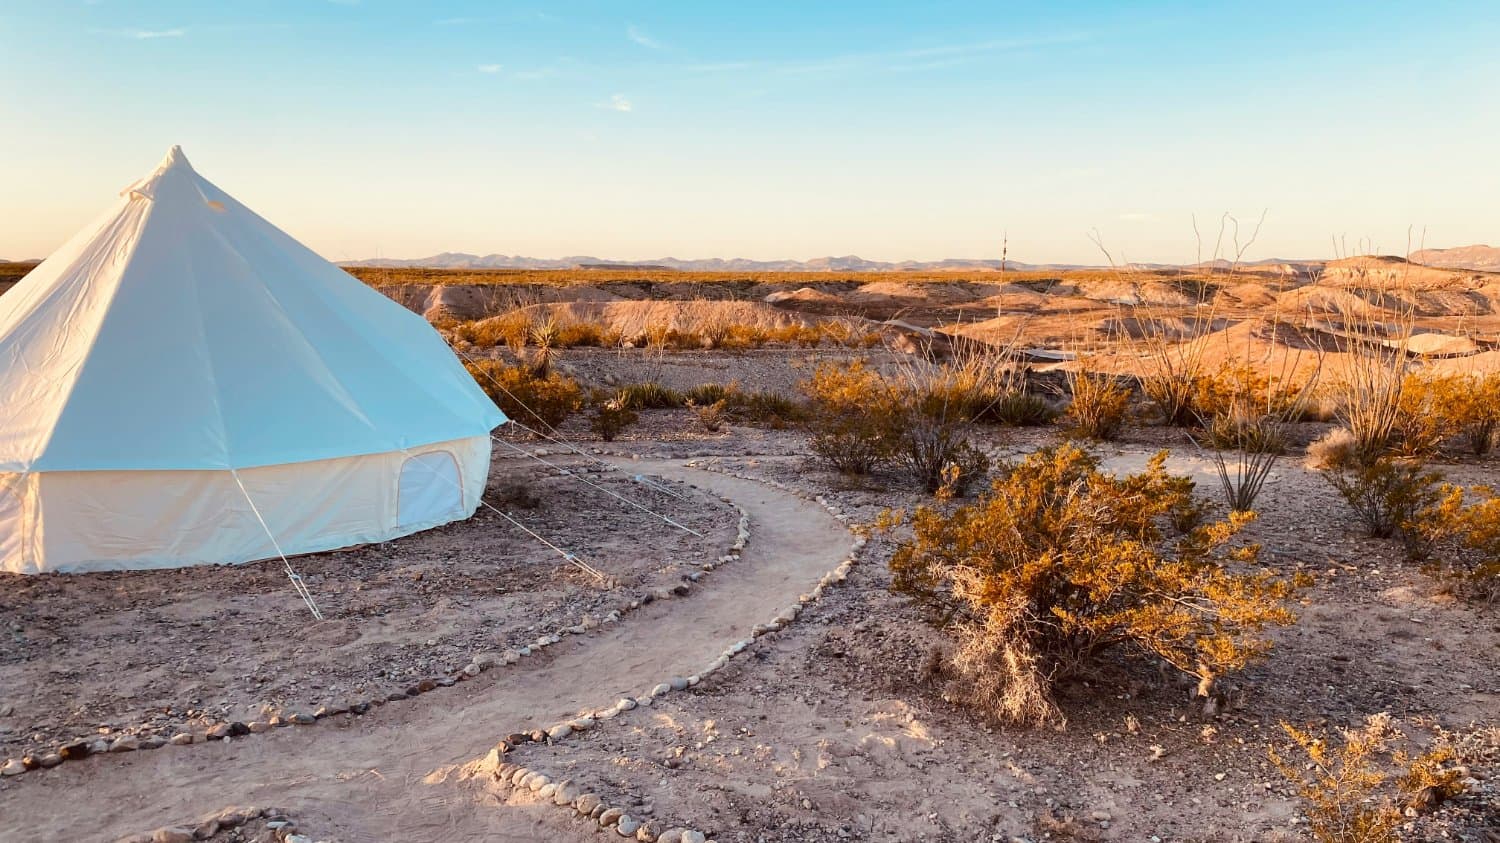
833,729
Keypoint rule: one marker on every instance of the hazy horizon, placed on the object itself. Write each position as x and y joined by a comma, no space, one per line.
380,130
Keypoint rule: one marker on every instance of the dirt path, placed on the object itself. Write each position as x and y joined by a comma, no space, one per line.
393,774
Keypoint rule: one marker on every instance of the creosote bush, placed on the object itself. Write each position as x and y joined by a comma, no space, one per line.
1099,407
1463,529
1059,563
861,420
1386,494
524,395
854,421
1355,791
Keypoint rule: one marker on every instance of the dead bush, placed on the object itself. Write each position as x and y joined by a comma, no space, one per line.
1355,791
710,416
524,395
1060,562
1099,405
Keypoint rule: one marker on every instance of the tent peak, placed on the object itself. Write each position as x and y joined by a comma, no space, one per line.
173,164
175,159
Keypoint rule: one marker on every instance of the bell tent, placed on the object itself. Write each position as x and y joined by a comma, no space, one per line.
183,383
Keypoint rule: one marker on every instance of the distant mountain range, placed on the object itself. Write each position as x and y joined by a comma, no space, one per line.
1479,257
846,263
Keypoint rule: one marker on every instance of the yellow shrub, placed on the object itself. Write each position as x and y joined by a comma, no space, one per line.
526,397
1466,537
1428,412
1353,792
855,417
1060,562
1099,406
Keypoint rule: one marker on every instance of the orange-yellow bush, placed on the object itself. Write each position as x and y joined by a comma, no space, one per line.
854,420
1466,537
1060,562
525,396
1099,406
1354,792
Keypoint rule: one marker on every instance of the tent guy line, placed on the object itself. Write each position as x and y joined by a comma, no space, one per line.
560,439
567,473
298,584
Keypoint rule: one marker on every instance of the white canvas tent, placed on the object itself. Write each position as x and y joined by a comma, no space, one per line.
183,363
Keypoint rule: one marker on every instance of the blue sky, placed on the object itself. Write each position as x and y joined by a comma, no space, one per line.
769,129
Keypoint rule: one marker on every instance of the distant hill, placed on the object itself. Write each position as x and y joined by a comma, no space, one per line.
846,263
1479,257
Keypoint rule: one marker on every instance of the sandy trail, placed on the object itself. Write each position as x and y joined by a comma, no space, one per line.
392,774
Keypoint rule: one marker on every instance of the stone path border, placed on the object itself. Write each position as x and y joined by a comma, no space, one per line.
282,827
566,794
83,747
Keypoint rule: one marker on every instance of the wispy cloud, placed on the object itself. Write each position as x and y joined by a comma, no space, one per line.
148,34
489,68
642,37
617,102
916,58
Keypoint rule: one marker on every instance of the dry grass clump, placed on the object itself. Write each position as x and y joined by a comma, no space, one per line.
1357,791
1059,563
524,394
1099,406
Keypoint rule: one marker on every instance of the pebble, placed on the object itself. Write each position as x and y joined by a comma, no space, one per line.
12,768
671,835
587,803
125,743
181,739
560,731
565,794
690,836
75,750
660,689
49,760
627,825
302,718
677,683
539,781
547,791
173,835
582,724
625,704
610,817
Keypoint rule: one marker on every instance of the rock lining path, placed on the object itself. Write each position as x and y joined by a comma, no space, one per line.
394,774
